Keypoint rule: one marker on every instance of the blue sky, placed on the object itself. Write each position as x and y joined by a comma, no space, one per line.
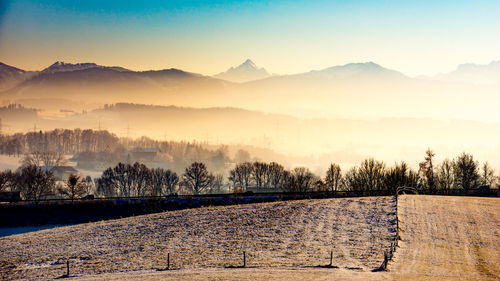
415,37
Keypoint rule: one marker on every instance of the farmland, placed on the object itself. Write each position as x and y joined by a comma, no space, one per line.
443,238
292,234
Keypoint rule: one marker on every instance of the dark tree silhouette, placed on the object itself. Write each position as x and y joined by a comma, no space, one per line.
333,178
299,179
445,175
241,175
196,178
6,179
163,181
427,170
258,172
276,175
35,183
73,187
466,171
487,176
400,175
44,158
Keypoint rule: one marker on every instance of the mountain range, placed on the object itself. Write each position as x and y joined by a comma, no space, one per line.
361,90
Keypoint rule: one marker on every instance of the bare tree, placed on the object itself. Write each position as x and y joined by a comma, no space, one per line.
258,172
445,175
299,179
241,175
487,175
333,178
44,158
163,181
34,182
6,179
217,184
371,173
399,175
88,184
353,181
276,175
427,170
141,178
196,178
116,181
73,187
466,171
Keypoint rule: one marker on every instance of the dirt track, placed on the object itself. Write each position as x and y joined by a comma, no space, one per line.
448,238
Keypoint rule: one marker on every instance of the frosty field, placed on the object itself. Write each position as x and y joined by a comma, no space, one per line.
448,238
289,235
443,238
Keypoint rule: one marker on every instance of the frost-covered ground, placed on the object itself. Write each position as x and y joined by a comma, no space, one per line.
283,240
448,238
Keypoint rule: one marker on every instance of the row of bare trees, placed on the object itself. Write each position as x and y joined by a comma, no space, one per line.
136,180
37,183
100,147
62,140
463,172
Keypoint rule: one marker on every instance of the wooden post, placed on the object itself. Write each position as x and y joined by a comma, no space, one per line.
168,260
386,259
244,259
331,258
67,267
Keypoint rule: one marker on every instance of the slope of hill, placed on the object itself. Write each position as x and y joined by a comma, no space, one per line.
293,234
247,71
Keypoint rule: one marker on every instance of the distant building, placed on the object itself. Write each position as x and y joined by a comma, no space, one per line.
61,173
144,154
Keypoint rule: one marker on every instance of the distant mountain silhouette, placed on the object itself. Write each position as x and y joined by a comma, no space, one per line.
352,90
245,72
92,82
359,69
482,74
10,76
61,66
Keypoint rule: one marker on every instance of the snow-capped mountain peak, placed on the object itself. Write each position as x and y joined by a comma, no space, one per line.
249,64
247,71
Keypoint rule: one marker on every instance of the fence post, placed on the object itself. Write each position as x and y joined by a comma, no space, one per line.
67,267
244,259
168,261
331,258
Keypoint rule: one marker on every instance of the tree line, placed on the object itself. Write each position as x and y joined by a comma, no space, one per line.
101,146
137,180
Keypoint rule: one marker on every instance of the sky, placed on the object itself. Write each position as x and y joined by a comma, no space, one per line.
414,37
